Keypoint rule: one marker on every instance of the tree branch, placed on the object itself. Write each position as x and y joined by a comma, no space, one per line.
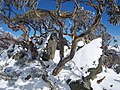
75,41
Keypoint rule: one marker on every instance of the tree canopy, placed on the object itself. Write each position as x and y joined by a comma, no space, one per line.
80,22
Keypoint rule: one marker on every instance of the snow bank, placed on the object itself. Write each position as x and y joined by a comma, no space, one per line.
85,58
111,81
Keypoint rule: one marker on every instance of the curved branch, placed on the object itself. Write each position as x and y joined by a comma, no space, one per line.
74,44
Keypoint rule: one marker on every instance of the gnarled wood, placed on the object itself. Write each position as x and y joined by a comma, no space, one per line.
74,44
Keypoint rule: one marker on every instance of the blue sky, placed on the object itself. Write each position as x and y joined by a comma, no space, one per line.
51,4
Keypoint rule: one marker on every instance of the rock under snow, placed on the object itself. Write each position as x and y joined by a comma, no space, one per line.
31,75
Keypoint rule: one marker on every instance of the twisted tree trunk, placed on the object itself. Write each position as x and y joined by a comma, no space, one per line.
75,41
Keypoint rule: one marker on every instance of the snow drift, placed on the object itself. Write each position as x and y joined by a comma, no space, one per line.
25,74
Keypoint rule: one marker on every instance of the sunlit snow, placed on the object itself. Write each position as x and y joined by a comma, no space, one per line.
85,58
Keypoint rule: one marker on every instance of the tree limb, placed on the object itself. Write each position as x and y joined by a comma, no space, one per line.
75,41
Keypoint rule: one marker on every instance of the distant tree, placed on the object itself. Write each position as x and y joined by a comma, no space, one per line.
80,22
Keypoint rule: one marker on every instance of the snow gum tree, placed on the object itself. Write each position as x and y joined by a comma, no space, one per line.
77,24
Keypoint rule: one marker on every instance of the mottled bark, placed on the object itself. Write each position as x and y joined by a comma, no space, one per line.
75,41
51,48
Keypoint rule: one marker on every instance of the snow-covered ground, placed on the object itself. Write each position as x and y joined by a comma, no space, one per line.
116,49
85,58
111,81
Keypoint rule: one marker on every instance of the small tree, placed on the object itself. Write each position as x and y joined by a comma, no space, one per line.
80,22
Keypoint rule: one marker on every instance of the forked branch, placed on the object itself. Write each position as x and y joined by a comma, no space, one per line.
75,41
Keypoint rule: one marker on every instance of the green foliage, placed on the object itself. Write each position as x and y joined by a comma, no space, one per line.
114,17
20,4
113,11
